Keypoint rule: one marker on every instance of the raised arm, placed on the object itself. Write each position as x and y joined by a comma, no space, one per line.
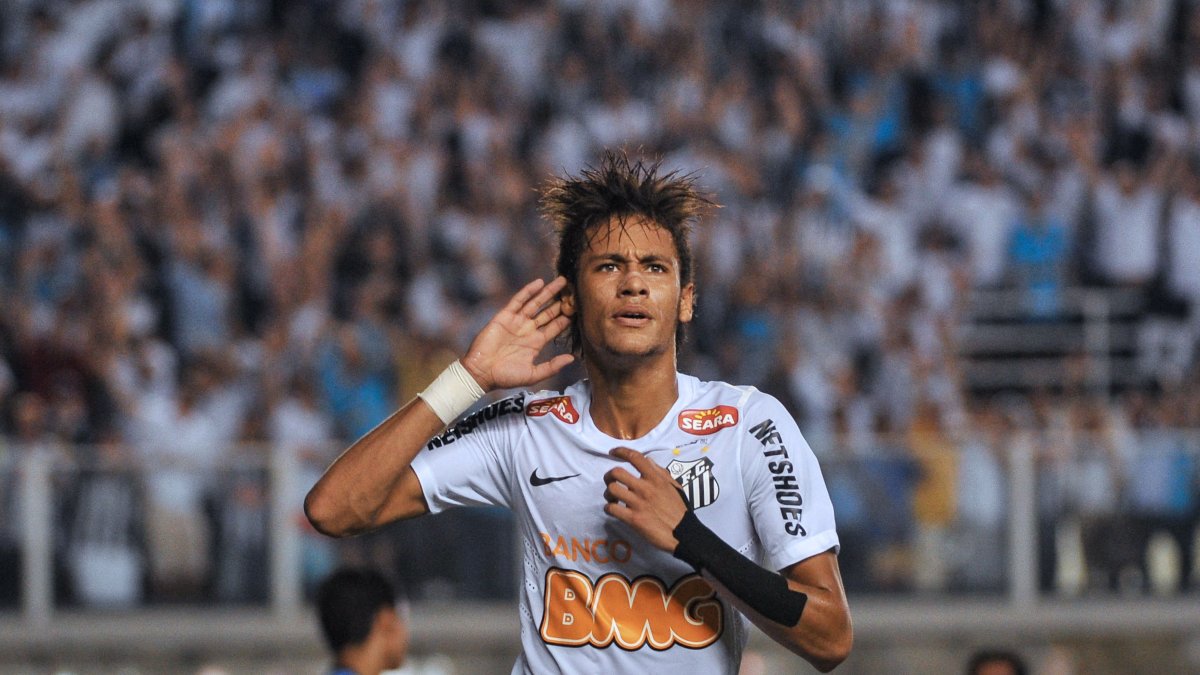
372,483
803,609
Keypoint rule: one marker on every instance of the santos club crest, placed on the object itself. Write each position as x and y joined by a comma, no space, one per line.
697,480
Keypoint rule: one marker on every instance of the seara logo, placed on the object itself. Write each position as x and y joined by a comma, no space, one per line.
633,614
559,406
705,422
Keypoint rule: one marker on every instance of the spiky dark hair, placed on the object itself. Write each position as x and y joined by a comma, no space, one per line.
620,188
347,603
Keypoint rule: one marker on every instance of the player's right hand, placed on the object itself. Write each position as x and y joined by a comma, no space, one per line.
649,502
505,352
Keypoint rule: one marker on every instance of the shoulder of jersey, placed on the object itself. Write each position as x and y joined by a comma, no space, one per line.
552,405
714,407
486,415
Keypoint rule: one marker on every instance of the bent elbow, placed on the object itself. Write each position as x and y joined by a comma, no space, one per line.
321,514
827,664
836,652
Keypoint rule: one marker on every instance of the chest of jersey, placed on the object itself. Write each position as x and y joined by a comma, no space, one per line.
561,466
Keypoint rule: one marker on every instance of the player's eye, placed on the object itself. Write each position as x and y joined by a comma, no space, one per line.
607,267
657,268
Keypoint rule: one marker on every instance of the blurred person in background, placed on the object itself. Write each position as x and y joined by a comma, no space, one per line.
363,621
236,507
1100,445
982,501
30,435
105,527
996,662
180,437
1127,203
1038,256
1162,477
934,503
299,424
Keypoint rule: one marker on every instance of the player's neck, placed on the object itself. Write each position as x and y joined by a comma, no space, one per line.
629,403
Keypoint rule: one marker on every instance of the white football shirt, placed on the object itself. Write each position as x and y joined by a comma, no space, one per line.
595,596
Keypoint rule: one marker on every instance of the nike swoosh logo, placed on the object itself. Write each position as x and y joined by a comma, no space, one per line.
538,481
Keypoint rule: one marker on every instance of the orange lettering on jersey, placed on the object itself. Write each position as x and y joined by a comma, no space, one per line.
580,550
567,619
561,549
620,549
598,550
630,614
699,610
559,406
704,422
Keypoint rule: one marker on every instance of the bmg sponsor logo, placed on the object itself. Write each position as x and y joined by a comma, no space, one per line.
630,614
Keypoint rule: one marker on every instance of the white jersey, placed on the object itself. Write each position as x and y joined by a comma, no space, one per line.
595,596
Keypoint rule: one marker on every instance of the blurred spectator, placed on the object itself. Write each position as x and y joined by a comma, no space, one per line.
105,529
356,385
299,425
363,622
996,662
180,437
934,497
1128,204
235,506
1038,252
1162,478
1101,446
1183,237
980,528
981,211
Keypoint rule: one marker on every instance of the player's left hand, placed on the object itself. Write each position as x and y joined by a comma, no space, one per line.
650,503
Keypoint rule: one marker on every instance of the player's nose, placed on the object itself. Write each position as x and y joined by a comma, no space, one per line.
633,283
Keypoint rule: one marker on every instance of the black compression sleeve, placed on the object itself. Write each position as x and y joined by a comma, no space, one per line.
766,592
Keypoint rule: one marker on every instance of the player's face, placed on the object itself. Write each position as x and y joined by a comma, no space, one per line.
628,292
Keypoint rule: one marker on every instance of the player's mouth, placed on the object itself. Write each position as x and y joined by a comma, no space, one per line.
633,317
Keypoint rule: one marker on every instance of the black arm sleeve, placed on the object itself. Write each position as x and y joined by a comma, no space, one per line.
766,592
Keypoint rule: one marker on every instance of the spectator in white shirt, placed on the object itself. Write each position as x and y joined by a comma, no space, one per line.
981,212
1183,240
1127,204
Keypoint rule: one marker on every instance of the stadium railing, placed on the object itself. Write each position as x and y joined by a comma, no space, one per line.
1050,532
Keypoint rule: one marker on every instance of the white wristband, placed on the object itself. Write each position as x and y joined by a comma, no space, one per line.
452,392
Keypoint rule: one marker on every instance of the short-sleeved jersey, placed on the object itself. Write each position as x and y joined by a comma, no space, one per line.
595,597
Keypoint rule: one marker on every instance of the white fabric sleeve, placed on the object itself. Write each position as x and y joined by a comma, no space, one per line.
788,500
470,464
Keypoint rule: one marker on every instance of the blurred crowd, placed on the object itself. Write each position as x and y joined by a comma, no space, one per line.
233,225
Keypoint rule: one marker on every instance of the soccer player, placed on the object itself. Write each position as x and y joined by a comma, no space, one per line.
360,622
645,499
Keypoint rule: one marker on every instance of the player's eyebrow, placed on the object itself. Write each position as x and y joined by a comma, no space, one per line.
613,256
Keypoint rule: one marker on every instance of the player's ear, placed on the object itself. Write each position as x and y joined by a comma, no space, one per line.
687,303
567,295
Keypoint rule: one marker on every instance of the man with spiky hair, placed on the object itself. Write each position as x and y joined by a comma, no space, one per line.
657,513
